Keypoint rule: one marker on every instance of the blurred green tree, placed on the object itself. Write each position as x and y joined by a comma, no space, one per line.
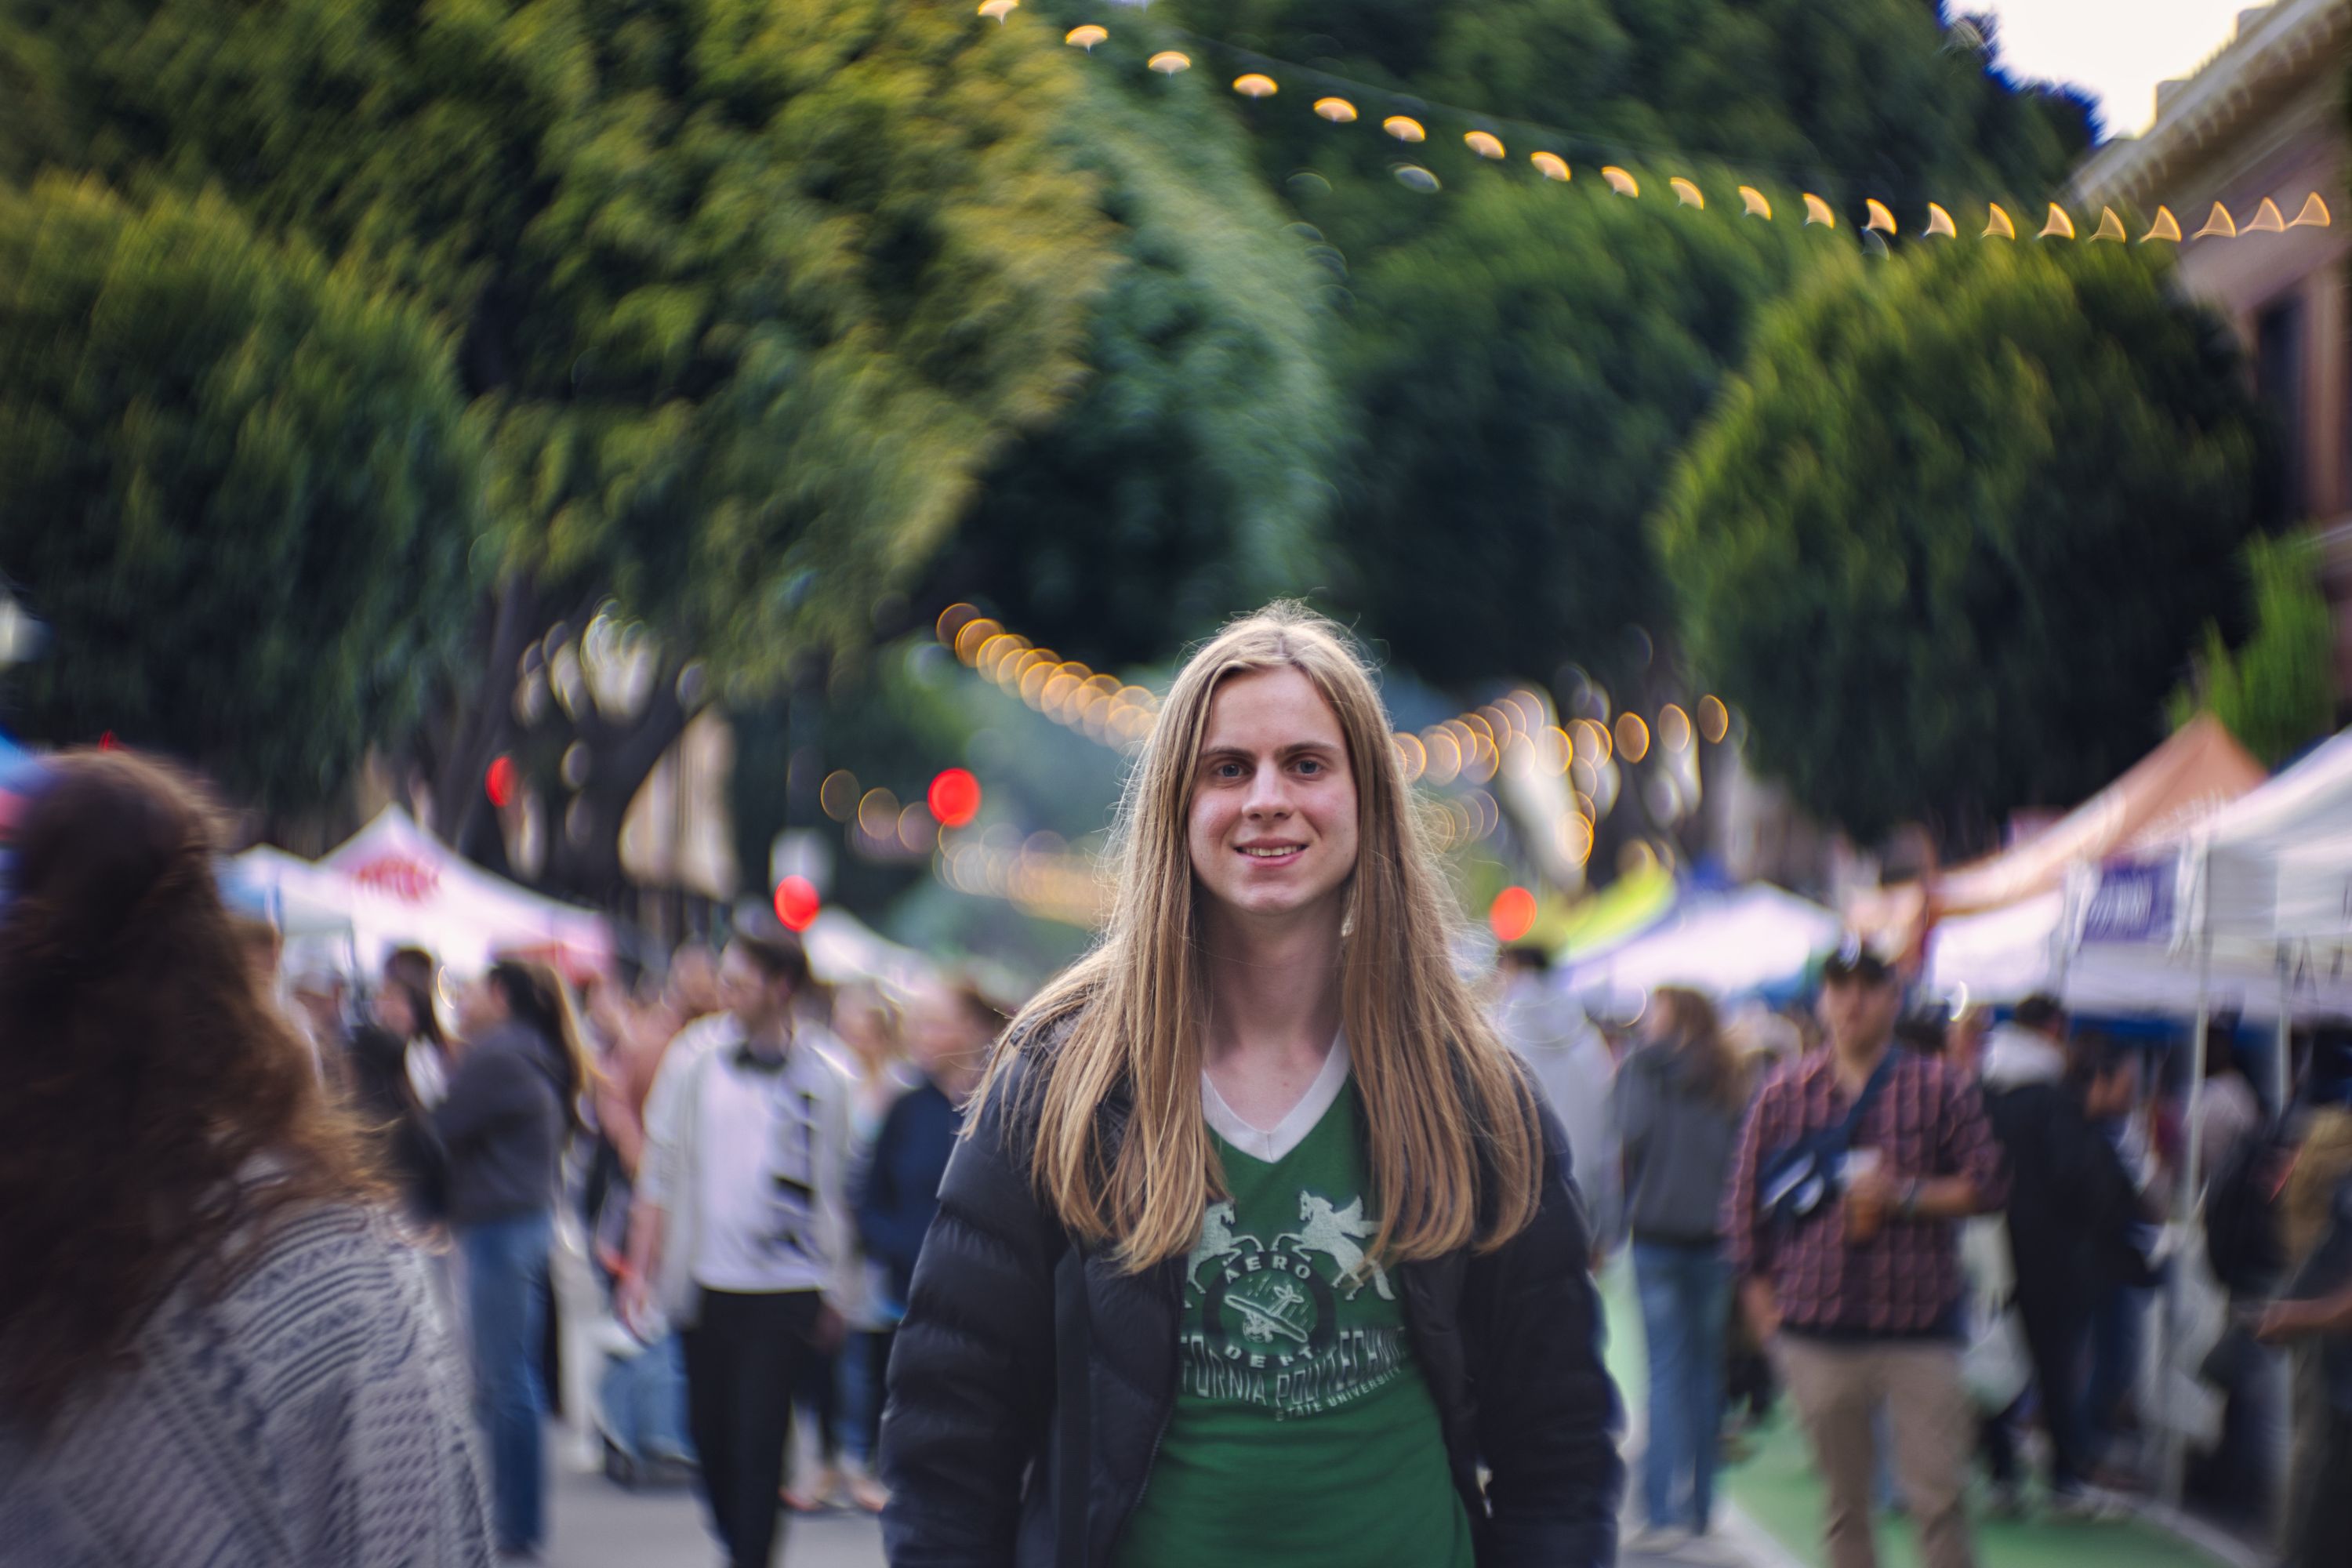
747,294
1523,370
1849,98
1527,370
1950,536
240,488
2276,690
1190,480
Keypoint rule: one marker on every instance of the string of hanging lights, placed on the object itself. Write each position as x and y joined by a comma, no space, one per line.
1338,100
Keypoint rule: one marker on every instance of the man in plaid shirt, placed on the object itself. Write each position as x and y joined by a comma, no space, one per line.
1861,1301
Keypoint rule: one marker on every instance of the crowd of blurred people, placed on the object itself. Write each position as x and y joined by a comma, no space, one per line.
741,1162
308,1234
1980,1282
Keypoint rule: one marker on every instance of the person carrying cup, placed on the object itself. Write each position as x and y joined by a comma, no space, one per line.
1858,1295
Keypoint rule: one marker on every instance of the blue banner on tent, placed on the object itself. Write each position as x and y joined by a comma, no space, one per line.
2131,903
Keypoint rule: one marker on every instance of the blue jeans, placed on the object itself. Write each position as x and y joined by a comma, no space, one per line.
506,1284
1686,1299
644,1399
2114,1336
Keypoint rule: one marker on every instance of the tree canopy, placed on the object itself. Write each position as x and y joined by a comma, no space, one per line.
745,297
1191,476
1524,360
1952,534
1527,370
751,290
241,490
1851,98
2276,690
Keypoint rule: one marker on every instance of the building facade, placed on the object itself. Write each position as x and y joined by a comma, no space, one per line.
2260,130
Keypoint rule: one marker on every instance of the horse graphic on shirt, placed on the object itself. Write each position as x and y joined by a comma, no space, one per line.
1338,1233
1218,1240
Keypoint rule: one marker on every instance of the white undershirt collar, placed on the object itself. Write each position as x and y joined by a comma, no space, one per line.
1270,1145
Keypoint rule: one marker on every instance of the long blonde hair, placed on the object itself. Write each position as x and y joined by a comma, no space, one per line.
1441,1096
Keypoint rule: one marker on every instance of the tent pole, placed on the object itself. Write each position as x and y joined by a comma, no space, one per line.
2062,941
2184,1201
2283,1051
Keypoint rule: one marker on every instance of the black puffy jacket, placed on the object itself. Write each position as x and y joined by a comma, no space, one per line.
1032,1380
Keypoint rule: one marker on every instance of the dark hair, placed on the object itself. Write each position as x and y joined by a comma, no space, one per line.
2095,1056
1856,961
1924,1034
427,1022
1525,959
147,1076
778,953
2327,1080
535,996
2220,1055
2041,1013
1696,1040
412,965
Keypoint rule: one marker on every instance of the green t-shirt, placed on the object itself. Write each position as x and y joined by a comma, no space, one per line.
1303,1433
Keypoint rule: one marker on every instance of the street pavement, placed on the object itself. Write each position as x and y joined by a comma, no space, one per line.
599,1525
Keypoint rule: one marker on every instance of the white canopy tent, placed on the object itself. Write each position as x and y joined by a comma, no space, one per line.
1751,939
2276,865
2250,907
2255,898
392,884
2007,954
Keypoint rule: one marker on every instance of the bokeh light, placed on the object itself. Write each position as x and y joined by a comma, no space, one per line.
878,814
1512,915
838,795
797,903
919,832
954,797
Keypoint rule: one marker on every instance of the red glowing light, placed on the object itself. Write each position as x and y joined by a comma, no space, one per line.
499,784
797,903
955,797
106,743
1512,914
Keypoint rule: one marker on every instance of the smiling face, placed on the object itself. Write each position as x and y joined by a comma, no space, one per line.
1272,827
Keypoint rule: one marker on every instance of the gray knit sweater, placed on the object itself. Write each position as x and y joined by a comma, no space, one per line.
316,1414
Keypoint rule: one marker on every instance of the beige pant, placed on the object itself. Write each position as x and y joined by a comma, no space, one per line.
1838,1388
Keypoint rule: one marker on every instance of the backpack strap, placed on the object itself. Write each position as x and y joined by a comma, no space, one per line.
1866,1098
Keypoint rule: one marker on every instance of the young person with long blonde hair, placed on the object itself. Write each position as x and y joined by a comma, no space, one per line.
1258,1246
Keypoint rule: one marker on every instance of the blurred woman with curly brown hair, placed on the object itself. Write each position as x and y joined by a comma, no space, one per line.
205,1291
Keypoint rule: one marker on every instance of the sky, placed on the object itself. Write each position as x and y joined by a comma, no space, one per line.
2115,49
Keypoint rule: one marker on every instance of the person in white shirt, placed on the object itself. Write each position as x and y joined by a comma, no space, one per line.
740,1235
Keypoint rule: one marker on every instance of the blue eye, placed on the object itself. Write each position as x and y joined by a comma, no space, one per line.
1310,765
